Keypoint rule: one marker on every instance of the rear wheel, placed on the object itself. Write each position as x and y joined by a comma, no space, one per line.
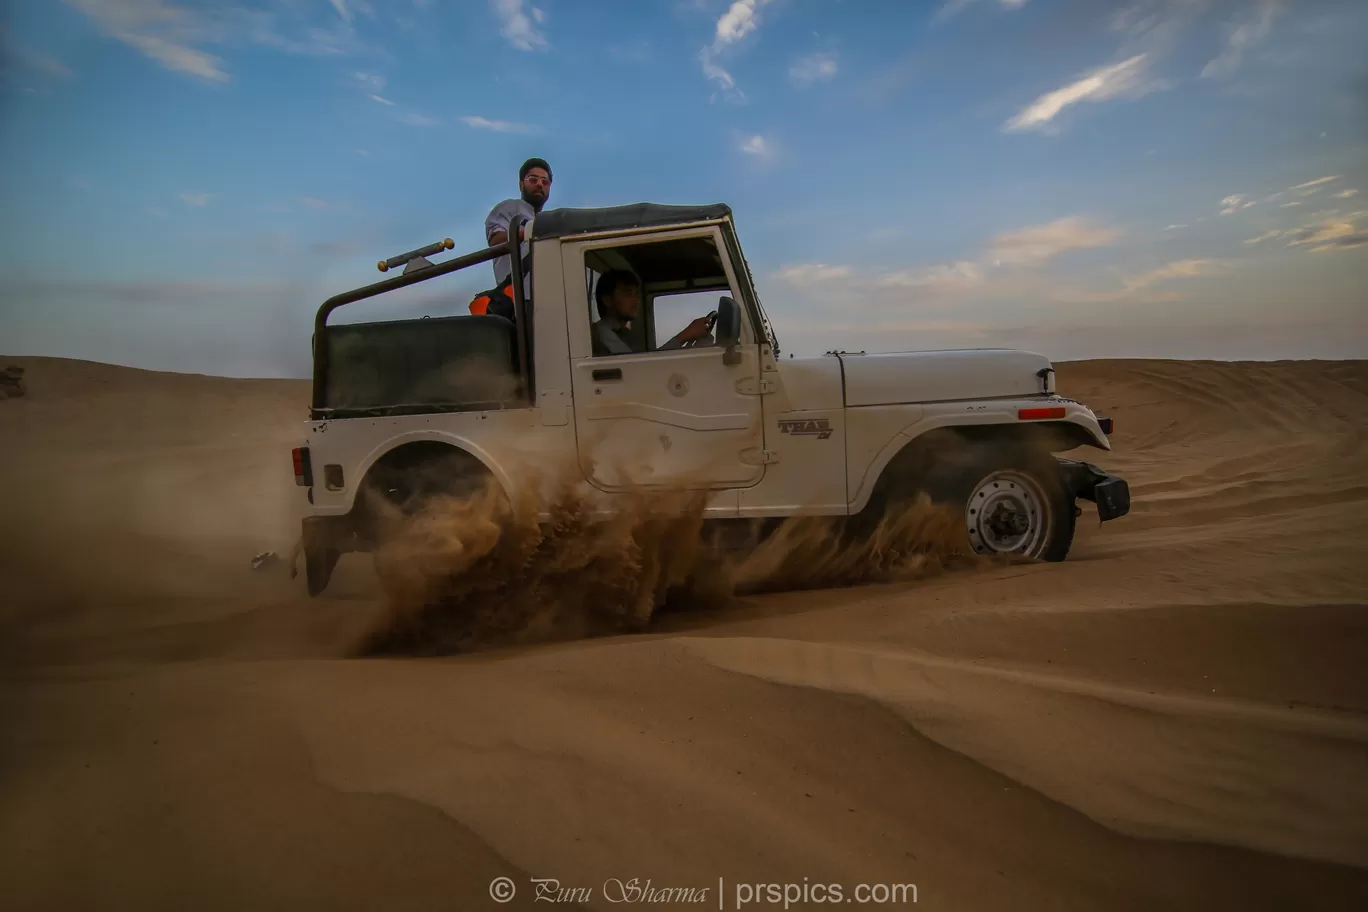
409,479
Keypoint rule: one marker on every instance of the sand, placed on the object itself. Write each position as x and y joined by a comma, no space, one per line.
1175,718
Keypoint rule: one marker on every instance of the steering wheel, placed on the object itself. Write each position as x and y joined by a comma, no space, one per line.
712,323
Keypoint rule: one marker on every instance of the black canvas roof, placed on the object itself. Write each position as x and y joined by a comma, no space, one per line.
561,222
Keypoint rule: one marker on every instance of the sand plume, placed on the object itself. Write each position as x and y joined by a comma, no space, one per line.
475,570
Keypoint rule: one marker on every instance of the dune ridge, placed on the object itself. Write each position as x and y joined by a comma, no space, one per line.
1177,717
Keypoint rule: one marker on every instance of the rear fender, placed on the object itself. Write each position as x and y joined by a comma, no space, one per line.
363,467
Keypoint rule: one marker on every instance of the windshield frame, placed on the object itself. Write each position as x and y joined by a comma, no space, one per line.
759,319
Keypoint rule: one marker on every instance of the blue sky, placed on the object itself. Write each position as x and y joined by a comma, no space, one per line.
184,182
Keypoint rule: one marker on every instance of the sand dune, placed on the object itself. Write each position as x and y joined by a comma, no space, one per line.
1177,717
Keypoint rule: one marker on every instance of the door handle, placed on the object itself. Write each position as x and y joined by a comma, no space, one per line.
608,373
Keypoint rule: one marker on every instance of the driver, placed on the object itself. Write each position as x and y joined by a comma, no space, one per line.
618,296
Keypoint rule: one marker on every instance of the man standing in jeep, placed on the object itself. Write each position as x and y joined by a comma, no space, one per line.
534,184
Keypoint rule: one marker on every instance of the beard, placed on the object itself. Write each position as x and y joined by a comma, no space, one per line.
534,198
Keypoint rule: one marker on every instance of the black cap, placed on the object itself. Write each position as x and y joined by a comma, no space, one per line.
533,163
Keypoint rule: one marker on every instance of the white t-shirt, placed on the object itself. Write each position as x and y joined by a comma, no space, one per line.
498,220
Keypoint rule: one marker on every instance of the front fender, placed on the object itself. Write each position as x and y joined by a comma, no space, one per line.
1076,426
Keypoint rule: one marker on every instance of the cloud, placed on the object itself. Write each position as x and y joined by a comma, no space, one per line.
717,74
1311,187
344,9
1235,202
520,24
755,145
1179,269
1246,36
953,8
738,21
371,85
178,57
1174,227
960,273
413,119
13,52
1006,262
497,126
1331,234
801,275
160,30
813,68
1312,183
1266,236
173,35
1097,85
196,199
260,27
1344,242
1346,194
1037,244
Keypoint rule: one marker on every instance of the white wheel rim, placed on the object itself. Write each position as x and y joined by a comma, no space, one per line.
1008,514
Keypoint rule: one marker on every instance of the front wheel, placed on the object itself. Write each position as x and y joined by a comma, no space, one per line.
1013,503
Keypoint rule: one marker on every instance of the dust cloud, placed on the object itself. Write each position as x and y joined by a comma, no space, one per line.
480,570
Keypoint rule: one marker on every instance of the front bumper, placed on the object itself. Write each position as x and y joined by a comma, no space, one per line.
1085,480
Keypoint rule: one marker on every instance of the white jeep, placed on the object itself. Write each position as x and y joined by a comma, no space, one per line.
758,436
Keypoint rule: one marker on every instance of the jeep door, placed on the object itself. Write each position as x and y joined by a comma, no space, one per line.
683,418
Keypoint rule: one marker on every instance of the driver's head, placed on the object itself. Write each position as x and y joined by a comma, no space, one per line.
534,182
618,294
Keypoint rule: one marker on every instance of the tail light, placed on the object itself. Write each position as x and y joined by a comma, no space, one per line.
1040,414
303,470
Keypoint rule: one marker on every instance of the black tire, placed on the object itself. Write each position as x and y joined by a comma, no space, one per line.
402,484
410,483
953,472
1013,499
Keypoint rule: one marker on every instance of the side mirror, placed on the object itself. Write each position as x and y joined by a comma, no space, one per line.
728,328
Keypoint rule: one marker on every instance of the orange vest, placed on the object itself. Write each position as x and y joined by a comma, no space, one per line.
482,301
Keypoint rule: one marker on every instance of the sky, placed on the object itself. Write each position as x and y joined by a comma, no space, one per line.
184,182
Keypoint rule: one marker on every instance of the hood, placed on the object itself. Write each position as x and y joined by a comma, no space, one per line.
940,376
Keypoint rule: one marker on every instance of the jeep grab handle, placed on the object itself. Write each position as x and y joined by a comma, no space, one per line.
429,250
